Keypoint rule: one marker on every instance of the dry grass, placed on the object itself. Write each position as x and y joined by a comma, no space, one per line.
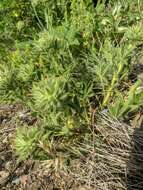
114,157
112,160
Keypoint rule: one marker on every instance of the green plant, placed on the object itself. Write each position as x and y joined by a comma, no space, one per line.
65,59
125,105
48,94
25,141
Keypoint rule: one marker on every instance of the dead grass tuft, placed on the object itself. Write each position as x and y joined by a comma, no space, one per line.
114,157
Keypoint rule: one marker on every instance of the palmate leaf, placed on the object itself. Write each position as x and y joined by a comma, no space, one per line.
48,94
25,141
6,78
25,72
109,66
62,36
134,34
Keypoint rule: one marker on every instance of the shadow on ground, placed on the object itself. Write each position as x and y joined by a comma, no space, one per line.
135,165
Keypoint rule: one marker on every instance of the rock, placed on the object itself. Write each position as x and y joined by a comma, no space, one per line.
16,180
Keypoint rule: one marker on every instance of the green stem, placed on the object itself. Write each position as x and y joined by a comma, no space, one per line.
113,82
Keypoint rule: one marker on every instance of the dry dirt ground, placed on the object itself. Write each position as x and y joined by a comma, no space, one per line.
114,159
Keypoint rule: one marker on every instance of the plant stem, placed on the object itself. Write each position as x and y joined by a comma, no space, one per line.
113,82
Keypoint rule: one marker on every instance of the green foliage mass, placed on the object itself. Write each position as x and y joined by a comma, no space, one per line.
63,59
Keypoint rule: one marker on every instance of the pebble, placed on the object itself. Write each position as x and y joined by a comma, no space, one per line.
16,181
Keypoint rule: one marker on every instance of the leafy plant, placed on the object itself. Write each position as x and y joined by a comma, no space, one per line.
64,59
48,94
25,141
132,102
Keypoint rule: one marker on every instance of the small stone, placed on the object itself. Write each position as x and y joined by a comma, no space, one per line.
16,181
105,111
